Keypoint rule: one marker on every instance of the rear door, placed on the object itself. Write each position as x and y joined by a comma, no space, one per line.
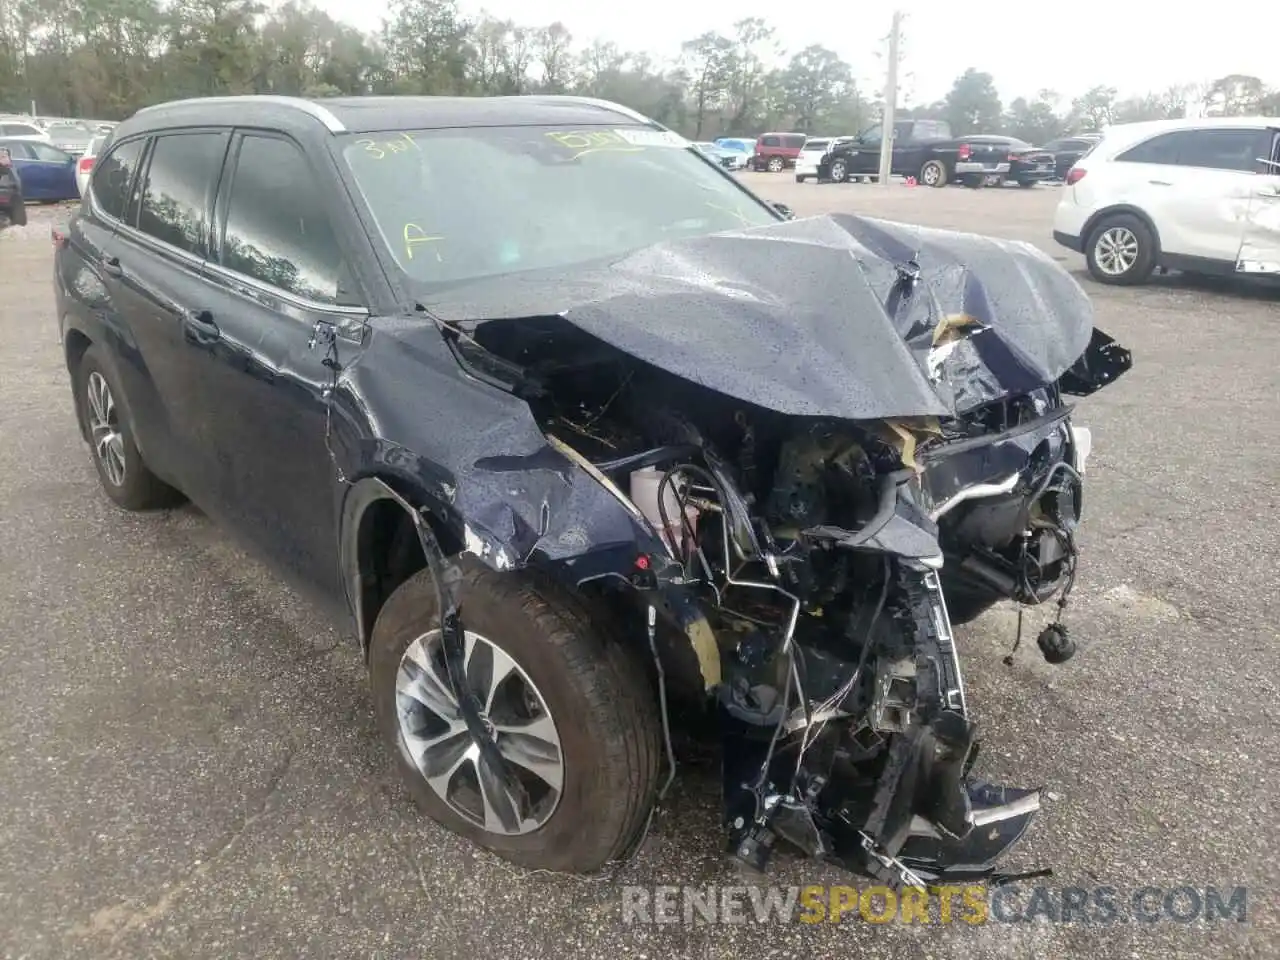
281,312
1260,248
153,264
1196,186
57,171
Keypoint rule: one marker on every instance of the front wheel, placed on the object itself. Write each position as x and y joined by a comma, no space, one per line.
839,171
1121,251
557,765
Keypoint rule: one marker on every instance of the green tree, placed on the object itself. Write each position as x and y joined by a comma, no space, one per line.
973,105
816,84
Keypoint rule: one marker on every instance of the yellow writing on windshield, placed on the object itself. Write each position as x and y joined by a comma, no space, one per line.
414,235
582,142
378,149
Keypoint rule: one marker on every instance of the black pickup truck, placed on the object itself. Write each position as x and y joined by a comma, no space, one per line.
925,149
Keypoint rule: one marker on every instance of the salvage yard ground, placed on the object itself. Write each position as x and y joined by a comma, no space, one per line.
189,766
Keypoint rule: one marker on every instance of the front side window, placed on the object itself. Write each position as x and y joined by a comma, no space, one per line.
113,176
19,150
178,188
458,204
277,229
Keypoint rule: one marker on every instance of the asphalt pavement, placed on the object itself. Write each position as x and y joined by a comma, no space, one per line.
189,766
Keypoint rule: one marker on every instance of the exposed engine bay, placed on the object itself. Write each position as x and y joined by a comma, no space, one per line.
822,554
832,439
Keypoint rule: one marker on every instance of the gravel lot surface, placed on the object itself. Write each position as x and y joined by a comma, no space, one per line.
188,761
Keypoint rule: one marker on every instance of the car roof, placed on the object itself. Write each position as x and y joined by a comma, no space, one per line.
371,114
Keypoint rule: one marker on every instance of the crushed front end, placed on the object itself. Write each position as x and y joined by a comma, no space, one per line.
833,436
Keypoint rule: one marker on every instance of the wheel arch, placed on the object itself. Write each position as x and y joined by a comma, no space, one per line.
1118,209
390,527
76,344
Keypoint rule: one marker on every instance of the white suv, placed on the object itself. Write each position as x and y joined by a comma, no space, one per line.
1196,195
811,154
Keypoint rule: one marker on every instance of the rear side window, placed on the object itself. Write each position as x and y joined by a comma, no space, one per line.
1223,149
49,154
770,141
1218,149
277,230
816,144
794,141
178,187
113,176
20,130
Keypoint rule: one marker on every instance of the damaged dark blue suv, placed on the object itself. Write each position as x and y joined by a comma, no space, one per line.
576,434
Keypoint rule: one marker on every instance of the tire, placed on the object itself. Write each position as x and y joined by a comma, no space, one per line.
799,179
597,695
104,413
839,170
935,170
975,181
1027,184
1107,240
775,165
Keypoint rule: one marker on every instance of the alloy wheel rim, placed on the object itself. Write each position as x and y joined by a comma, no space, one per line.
509,785
1116,251
931,174
837,170
775,164
104,427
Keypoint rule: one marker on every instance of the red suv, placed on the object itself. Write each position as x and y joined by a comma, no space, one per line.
776,151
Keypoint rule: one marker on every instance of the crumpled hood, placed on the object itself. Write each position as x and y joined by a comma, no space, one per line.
813,317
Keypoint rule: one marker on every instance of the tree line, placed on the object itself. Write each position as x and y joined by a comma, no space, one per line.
106,58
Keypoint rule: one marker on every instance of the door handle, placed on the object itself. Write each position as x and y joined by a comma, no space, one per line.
111,266
200,327
1160,183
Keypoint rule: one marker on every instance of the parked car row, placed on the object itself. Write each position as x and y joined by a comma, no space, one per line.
922,149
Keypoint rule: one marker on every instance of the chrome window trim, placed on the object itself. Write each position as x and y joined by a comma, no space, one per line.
324,115
255,285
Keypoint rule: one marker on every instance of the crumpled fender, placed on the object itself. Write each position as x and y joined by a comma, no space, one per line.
484,477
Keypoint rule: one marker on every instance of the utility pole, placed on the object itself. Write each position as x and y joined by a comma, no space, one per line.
890,102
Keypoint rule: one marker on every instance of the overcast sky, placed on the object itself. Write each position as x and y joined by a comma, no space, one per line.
1065,46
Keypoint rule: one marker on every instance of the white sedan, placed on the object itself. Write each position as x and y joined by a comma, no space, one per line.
811,154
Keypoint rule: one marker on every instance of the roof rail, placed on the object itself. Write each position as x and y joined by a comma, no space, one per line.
635,115
308,107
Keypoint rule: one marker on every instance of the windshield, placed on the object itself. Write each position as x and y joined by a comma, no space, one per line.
472,202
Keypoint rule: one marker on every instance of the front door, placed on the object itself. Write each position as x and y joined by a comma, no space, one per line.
280,316
1260,250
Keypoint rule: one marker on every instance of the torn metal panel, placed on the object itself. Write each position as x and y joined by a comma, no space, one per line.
1260,250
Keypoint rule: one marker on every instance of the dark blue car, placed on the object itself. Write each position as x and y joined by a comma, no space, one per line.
46,172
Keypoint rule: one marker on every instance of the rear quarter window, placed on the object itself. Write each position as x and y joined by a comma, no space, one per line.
769,141
795,142
113,176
